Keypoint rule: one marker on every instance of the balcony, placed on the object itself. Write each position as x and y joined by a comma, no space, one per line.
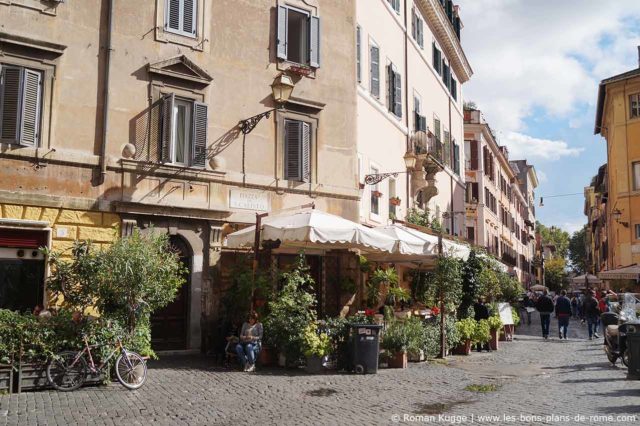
426,144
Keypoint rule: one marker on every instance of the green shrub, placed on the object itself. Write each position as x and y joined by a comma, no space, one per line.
482,332
515,315
432,336
495,323
466,328
315,343
404,335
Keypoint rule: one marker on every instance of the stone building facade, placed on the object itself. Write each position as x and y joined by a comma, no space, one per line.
120,115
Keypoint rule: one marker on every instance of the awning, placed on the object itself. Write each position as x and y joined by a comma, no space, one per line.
495,262
586,279
313,228
627,273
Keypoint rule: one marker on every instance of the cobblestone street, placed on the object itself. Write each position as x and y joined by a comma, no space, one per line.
533,377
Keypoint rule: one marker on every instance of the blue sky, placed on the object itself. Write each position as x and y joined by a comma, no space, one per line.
537,66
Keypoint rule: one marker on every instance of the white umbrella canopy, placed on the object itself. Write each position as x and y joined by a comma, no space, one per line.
314,227
410,241
582,279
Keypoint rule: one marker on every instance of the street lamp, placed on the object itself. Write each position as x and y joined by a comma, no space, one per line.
281,90
410,160
617,215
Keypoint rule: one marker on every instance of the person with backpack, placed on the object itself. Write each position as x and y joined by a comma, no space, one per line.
563,313
544,305
591,314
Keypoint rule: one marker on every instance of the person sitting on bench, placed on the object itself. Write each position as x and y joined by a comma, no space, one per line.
249,346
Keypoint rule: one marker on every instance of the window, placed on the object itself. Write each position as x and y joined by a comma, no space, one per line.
298,36
375,194
456,158
446,74
359,53
454,88
636,175
447,148
297,151
394,89
184,131
20,105
395,5
437,58
471,233
471,192
634,109
374,65
417,28
392,199
181,17
420,121
637,230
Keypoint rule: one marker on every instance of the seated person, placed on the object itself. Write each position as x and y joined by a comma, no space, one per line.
249,345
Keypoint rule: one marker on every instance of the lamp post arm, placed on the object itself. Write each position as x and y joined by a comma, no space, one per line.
247,125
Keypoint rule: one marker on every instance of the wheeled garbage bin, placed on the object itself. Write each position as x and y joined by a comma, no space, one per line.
632,331
364,348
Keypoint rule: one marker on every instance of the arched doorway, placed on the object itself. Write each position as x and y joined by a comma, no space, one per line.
170,325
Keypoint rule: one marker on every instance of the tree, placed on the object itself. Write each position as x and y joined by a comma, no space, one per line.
578,251
555,236
555,274
470,283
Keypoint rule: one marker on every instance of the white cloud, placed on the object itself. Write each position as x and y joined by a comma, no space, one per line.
545,56
523,146
574,226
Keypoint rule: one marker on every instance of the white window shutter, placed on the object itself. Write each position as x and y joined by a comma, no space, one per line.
200,128
189,16
306,152
374,58
166,141
314,44
173,15
292,150
281,42
10,103
30,123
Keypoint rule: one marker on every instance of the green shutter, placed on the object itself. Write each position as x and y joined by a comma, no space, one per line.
200,129
10,103
166,141
30,116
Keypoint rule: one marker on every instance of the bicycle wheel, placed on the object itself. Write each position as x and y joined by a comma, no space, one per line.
64,376
131,371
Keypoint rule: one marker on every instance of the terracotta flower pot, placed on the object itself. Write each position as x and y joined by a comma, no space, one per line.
266,356
463,348
493,343
398,360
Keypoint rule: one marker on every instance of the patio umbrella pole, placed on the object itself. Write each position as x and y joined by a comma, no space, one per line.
256,250
443,339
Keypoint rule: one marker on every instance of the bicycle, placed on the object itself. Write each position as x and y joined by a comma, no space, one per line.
67,371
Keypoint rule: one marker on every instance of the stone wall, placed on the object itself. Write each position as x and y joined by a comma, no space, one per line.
68,225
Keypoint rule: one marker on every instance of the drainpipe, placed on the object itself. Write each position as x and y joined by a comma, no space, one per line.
406,97
451,177
105,95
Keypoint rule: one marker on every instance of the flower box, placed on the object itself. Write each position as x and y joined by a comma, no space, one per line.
395,201
6,378
493,343
463,348
33,376
376,194
300,70
315,364
398,360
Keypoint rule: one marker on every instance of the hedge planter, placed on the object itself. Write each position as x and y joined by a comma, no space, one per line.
33,376
315,364
493,343
463,348
6,378
398,360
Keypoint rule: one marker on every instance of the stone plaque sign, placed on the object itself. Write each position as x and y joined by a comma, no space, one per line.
248,200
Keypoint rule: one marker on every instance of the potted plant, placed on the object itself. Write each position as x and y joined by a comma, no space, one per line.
482,332
495,325
397,295
316,347
376,193
380,277
395,201
396,341
466,328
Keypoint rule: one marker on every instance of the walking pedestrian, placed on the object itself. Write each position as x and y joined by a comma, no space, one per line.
481,312
591,314
525,307
544,305
563,313
574,306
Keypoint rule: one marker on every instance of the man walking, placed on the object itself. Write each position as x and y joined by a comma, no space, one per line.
544,305
591,314
563,313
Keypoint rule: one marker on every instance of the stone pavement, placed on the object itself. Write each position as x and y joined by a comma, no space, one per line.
533,378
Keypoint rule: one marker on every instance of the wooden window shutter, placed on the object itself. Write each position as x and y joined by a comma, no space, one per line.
189,16
281,42
30,122
166,141
10,103
200,128
306,152
292,150
397,97
374,56
474,154
314,44
173,15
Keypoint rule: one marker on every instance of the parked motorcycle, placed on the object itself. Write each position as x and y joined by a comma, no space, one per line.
615,337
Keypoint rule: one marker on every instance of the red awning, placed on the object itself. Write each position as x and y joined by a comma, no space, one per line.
19,238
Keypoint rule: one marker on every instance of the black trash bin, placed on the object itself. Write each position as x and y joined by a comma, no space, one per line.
365,348
632,331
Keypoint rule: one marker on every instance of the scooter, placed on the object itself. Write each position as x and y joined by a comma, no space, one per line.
615,337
